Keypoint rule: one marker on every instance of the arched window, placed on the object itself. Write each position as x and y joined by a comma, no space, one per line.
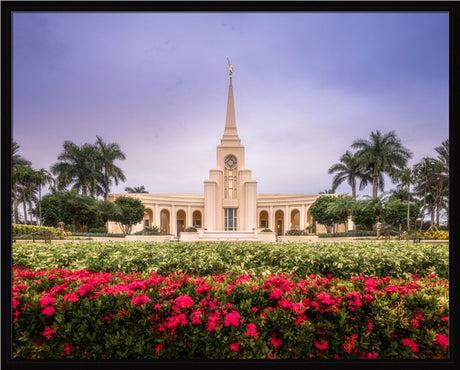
230,178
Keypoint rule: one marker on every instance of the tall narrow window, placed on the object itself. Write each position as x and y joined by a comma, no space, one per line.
230,219
230,178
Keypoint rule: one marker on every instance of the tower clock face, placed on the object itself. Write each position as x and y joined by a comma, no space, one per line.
230,161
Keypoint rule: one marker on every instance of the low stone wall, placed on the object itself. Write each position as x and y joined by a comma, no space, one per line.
151,238
301,238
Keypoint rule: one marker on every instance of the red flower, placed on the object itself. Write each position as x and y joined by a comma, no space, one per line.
140,300
235,346
67,349
410,343
159,347
48,311
233,318
322,345
349,344
184,301
276,342
48,332
442,341
252,330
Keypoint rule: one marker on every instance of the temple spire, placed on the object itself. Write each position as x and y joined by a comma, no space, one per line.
230,136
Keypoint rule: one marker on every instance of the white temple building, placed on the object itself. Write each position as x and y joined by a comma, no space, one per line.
230,207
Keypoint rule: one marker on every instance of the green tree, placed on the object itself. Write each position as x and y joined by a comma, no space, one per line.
128,212
82,212
366,212
320,213
395,212
342,205
41,177
136,189
349,169
108,154
106,211
16,161
79,166
382,154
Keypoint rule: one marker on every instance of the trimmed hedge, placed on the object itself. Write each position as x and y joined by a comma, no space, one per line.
19,229
60,314
342,259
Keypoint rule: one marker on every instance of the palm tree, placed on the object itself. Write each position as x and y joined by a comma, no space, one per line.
406,178
16,161
382,154
41,178
108,153
432,184
136,189
25,177
78,165
350,170
343,204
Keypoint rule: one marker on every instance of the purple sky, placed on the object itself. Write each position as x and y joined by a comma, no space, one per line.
306,85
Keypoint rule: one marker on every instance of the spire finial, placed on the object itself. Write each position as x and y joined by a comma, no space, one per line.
231,67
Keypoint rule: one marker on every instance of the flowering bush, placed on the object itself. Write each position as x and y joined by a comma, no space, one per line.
296,232
343,259
19,229
437,235
83,315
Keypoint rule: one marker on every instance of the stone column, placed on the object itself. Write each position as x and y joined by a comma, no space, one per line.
287,219
302,217
173,217
189,217
156,218
271,219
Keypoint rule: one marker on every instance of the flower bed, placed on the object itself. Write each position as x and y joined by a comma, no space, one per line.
343,259
84,315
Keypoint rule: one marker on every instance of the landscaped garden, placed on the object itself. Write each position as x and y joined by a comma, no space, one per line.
354,300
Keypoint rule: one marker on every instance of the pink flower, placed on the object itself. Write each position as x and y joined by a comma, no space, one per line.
276,342
46,300
159,347
444,318
48,332
369,327
372,355
235,346
233,318
410,343
184,301
276,293
67,349
196,317
252,330
349,344
140,300
213,321
441,340
322,345
70,297
48,311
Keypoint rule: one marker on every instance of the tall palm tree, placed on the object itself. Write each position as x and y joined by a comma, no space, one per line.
406,178
108,153
431,185
343,205
350,170
382,154
136,189
78,165
42,177
16,161
27,188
